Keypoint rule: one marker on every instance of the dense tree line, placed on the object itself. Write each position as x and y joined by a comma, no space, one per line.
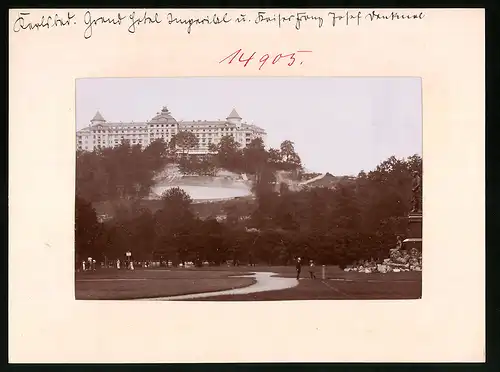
127,171
358,219
124,171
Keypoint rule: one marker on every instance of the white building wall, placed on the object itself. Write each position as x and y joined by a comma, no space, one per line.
105,134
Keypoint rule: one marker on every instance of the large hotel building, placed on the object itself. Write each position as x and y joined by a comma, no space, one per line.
100,133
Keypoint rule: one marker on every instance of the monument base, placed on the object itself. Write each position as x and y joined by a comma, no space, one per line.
414,231
411,243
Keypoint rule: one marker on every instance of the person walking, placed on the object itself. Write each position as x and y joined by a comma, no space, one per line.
311,270
298,267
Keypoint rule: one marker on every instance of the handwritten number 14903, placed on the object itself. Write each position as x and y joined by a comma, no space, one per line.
239,56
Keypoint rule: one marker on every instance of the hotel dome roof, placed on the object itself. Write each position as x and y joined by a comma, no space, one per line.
164,117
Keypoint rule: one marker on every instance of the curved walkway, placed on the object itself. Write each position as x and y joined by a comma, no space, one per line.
265,281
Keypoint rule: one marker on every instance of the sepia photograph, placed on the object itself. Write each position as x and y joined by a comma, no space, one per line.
248,189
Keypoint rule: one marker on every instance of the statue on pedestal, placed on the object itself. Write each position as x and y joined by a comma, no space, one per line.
416,199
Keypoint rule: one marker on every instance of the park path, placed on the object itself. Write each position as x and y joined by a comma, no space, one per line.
265,281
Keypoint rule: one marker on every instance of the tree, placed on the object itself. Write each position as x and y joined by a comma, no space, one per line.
275,158
176,200
185,141
232,214
284,188
212,148
358,219
256,158
289,157
143,235
174,224
124,171
86,230
228,154
197,166
210,241
156,154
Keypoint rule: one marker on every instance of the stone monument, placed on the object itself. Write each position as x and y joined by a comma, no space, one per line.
416,189
414,239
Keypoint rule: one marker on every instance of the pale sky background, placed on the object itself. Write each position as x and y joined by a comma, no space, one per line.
339,125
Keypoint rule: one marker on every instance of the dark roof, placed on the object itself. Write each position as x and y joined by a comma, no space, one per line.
108,124
98,117
165,117
234,115
326,180
204,123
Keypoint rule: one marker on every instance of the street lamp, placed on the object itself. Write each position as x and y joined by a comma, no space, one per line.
130,264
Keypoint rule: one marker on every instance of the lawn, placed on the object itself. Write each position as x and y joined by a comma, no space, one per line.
387,289
112,284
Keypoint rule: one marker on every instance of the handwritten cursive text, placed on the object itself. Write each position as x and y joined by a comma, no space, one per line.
131,21
145,19
45,22
347,17
208,20
90,23
392,16
279,19
274,58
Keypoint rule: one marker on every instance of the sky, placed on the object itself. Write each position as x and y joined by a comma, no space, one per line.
338,125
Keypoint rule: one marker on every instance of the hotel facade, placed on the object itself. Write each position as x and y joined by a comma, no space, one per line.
101,133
